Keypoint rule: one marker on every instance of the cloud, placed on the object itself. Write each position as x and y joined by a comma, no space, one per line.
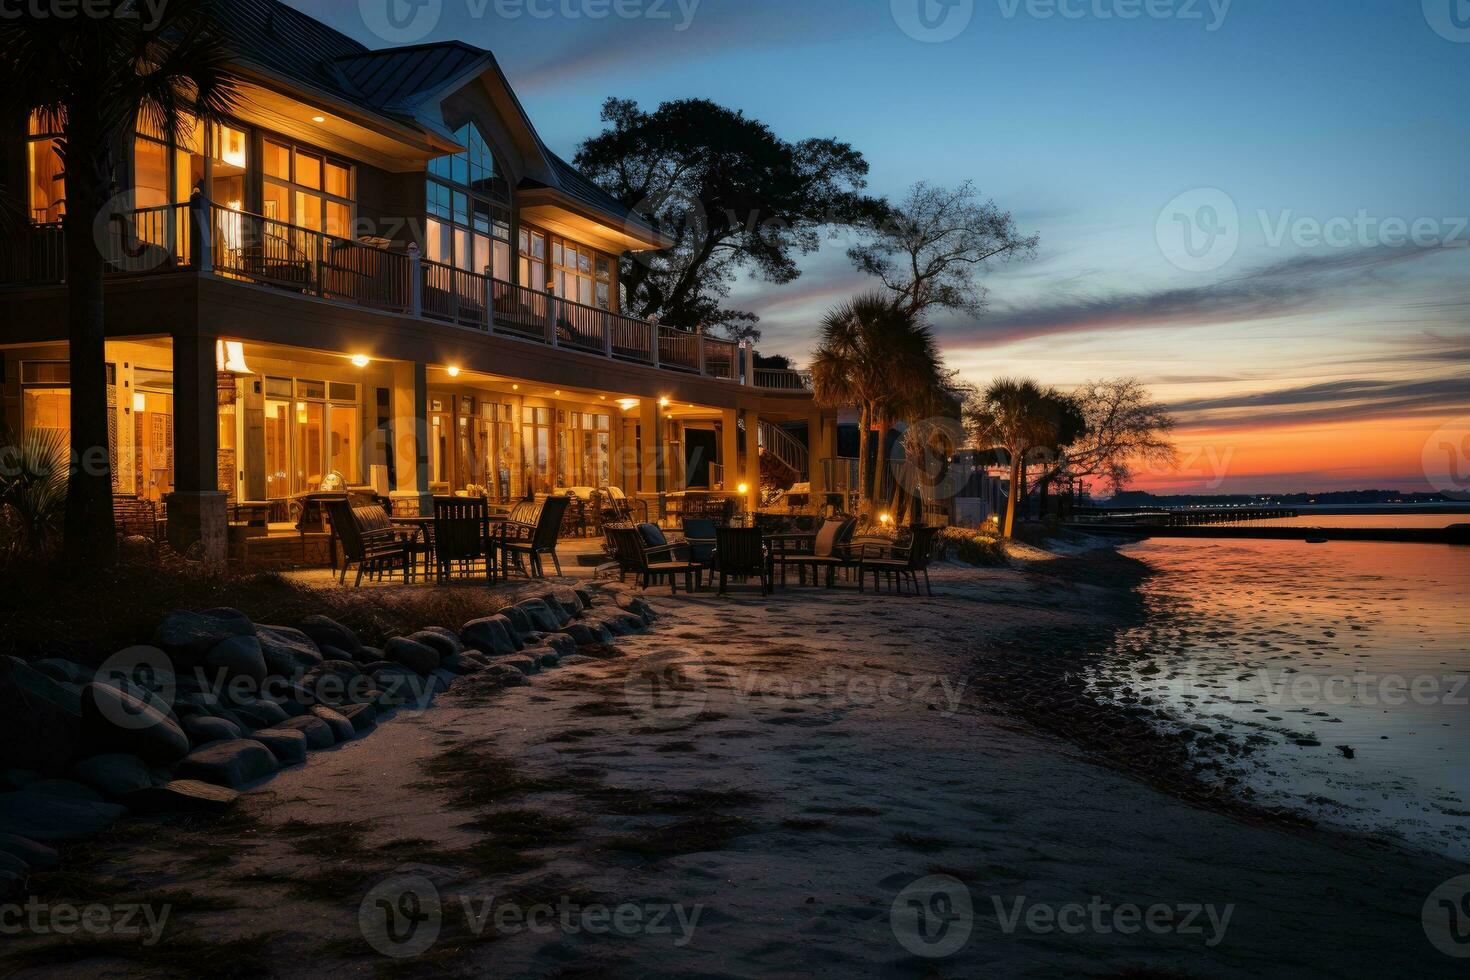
1349,400
1299,284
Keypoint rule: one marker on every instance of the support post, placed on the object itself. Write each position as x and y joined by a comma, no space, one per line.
411,438
551,337
203,230
730,450
197,507
489,299
747,354
655,332
816,451
415,280
699,348
651,464
752,478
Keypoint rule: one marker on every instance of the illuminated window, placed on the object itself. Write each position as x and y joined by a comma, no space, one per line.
306,188
469,205
47,186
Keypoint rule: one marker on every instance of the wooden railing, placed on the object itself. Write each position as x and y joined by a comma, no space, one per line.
253,248
781,444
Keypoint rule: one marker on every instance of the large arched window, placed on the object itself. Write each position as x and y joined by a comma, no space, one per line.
468,204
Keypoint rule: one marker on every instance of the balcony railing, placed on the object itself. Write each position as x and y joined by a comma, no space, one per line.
783,378
253,248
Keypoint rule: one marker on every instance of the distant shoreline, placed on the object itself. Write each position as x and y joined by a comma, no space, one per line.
1457,534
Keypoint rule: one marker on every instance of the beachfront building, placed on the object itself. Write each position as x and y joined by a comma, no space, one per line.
375,275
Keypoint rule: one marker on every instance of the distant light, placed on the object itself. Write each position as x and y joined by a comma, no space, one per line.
515,387
454,370
663,402
557,393
360,360
318,119
885,518
744,488
627,404
140,402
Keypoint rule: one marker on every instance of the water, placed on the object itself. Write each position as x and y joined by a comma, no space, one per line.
1293,650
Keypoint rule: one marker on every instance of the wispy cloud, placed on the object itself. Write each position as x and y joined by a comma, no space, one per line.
1336,401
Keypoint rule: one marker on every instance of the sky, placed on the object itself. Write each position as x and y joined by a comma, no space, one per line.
1257,207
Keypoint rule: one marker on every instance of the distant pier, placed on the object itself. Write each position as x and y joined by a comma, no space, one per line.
1190,517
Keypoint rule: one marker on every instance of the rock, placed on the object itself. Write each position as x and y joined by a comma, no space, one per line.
342,729
36,855
326,632
444,641
291,707
203,729
288,653
40,720
576,659
114,720
17,779
583,634
233,763
68,788
548,660
519,620
519,661
641,609
183,796
260,713
493,634
46,817
62,670
362,716
561,643
410,653
467,663
585,597
116,774
620,623
189,636
369,654
287,744
444,679
543,617
568,601
402,686
318,733
238,658
500,675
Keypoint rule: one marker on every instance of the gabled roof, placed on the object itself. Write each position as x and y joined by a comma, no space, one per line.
400,77
570,181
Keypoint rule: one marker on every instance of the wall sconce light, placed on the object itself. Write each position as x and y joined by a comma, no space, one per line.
360,360
229,357
140,402
744,488
663,402
454,370
628,404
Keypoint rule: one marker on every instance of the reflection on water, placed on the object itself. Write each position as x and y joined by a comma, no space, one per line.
1337,675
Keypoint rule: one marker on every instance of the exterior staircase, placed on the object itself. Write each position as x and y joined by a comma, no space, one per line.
783,455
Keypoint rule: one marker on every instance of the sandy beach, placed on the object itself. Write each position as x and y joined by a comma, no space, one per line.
796,786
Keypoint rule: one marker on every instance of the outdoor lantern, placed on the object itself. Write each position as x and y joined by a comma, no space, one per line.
360,360
229,357
744,488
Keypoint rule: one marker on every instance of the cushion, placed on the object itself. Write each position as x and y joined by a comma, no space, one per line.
827,538
653,535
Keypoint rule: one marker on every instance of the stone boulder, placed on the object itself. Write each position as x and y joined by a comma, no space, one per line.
48,817
113,775
116,721
318,733
238,659
493,634
416,656
568,600
66,671
286,744
37,856
326,632
67,788
342,729
40,720
362,716
203,729
518,661
234,763
288,653
619,623
446,642
188,636
585,597
183,796
543,617
260,713
519,620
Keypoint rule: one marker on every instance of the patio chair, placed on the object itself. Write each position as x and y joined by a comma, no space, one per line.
720,510
617,554
532,540
700,534
135,517
829,549
652,558
623,507
740,552
909,560
459,536
368,541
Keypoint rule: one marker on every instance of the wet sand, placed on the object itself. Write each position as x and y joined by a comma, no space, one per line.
778,771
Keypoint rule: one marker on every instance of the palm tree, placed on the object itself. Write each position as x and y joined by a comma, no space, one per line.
1018,416
871,355
92,78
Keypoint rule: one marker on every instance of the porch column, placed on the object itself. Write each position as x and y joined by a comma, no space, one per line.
752,477
197,512
651,461
730,450
411,437
818,449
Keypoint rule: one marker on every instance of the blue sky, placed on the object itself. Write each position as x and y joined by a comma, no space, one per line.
1316,129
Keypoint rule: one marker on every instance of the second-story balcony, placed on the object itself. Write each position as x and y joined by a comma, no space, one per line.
251,248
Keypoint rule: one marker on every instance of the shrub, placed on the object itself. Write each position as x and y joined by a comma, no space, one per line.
972,546
33,473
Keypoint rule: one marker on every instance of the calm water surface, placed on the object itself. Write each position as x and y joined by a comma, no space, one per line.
1341,670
